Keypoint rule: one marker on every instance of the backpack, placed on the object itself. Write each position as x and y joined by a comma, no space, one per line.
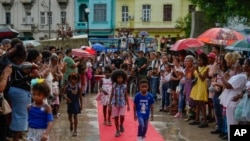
89,73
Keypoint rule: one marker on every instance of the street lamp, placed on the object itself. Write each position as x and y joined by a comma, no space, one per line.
50,18
48,9
87,10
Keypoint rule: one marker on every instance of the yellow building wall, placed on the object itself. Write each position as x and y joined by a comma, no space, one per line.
121,26
156,26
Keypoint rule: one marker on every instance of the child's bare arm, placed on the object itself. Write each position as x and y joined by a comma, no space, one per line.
49,127
111,96
152,112
28,107
80,98
134,109
126,98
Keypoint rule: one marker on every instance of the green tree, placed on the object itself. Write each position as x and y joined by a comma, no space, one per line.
221,10
184,24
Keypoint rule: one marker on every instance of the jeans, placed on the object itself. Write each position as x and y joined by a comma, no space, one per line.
225,124
165,95
143,127
154,85
218,111
181,102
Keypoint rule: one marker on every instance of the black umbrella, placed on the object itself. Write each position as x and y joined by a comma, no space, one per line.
7,32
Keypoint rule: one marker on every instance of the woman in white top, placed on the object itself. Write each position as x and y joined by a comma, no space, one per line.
165,78
234,86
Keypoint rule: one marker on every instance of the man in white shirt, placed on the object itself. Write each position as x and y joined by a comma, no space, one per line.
153,74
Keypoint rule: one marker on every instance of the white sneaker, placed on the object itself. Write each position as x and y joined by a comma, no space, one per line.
142,138
139,138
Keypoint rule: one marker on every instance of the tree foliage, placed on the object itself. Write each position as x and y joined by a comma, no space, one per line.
221,10
184,24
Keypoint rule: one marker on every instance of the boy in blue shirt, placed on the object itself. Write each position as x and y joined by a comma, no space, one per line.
143,106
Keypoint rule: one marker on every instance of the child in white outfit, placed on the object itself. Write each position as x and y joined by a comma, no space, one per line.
106,88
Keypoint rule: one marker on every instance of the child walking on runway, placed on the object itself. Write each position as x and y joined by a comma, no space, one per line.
143,105
119,99
106,88
74,101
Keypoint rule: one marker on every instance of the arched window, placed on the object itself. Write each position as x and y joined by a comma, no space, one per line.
82,14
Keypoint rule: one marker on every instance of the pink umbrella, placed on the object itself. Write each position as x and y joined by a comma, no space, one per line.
88,49
220,36
81,53
186,43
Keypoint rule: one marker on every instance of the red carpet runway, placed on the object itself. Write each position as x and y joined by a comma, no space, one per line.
107,133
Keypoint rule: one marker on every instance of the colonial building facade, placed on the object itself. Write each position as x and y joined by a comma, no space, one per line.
39,19
156,17
101,17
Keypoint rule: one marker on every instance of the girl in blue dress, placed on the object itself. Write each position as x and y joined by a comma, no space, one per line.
74,101
39,113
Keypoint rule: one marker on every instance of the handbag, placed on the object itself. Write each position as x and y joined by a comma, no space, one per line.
5,107
99,96
242,111
194,81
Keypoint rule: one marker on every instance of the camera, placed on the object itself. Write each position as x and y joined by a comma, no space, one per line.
4,61
149,68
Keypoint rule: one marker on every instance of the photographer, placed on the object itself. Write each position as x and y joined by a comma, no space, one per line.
103,59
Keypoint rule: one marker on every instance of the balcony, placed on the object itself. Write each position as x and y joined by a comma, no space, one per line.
124,25
7,4
63,3
27,4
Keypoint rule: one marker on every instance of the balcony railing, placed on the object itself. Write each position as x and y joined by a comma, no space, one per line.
124,24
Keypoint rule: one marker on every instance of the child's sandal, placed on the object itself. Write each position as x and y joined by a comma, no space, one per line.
74,134
105,123
109,123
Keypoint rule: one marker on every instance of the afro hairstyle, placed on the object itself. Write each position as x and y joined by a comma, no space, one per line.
118,72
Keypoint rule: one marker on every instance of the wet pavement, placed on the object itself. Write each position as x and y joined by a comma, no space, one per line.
170,128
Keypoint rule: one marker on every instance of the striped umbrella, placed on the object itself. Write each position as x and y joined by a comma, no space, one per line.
81,53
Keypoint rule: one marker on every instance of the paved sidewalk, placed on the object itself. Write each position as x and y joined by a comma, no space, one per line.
171,129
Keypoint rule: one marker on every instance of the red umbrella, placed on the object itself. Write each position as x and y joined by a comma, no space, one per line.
88,49
6,32
81,53
186,43
220,36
